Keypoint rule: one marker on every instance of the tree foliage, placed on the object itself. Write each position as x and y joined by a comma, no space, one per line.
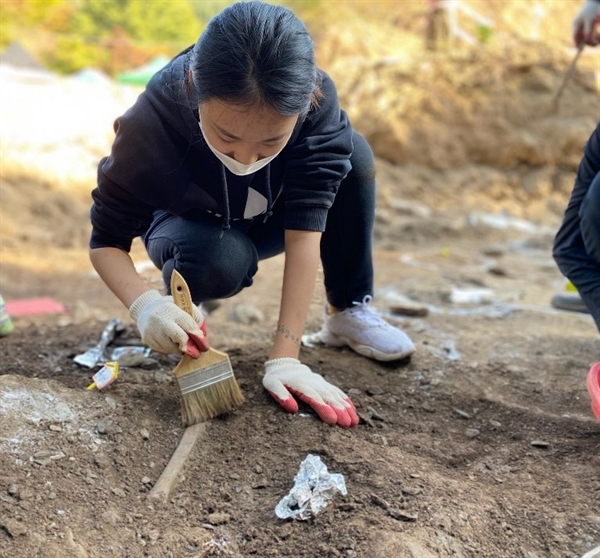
112,35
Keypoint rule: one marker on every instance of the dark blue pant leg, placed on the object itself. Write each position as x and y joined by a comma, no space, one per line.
577,245
346,245
215,263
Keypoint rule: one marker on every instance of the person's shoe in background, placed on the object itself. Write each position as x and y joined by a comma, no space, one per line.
569,301
6,325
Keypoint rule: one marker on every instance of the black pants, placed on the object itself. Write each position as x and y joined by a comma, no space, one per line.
219,263
577,244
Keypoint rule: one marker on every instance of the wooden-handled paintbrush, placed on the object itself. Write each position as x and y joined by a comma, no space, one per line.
207,384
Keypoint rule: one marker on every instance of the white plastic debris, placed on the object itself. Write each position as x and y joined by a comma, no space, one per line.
592,553
471,296
313,488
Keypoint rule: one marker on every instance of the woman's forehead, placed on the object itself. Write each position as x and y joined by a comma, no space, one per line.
252,121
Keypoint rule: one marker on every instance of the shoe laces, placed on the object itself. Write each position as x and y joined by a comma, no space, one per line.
366,313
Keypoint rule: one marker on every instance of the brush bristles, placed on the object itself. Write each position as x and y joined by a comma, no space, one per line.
210,401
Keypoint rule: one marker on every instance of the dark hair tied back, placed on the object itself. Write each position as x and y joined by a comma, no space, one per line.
253,52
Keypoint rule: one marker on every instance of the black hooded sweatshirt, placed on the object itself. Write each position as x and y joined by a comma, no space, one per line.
160,161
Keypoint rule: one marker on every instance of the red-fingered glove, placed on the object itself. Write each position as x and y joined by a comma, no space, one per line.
286,377
584,24
166,328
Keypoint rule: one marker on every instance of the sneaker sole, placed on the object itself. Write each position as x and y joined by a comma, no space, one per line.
370,352
365,350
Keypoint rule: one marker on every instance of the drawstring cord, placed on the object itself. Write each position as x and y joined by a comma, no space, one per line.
227,217
226,224
269,194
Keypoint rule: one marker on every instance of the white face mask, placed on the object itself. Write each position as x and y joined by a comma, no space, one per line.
237,168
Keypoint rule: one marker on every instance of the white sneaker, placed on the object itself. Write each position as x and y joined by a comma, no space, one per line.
366,332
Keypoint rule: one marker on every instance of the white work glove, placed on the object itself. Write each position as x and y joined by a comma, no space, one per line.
166,328
286,377
584,23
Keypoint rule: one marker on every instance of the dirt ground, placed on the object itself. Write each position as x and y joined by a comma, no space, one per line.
483,444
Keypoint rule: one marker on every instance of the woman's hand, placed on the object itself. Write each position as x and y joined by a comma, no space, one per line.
286,377
166,328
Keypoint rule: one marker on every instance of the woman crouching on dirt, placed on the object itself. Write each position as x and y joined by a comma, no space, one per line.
237,151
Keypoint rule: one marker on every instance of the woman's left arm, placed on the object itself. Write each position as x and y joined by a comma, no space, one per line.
302,256
285,376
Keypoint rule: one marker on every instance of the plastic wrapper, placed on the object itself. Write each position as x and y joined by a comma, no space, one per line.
313,489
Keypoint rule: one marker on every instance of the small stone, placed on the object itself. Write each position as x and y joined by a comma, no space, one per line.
13,527
108,427
153,535
375,415
110,402
109,517
409,308
218,518
258,470
103,425
427,407
101,460
402,515
462,414
366,419
472,432
55,428
379,502
498,271
540,444
13,490
496,423
42,458
145,434
119,492
234,476
25,494
146,480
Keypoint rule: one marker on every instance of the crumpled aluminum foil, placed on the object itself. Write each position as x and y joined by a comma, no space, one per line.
95,355
313,488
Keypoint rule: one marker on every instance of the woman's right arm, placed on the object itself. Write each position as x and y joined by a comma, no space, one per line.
116,269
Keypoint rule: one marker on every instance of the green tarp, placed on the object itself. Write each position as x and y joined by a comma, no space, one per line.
142,75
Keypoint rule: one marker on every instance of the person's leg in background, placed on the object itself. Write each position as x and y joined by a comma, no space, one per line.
577,245
577,254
